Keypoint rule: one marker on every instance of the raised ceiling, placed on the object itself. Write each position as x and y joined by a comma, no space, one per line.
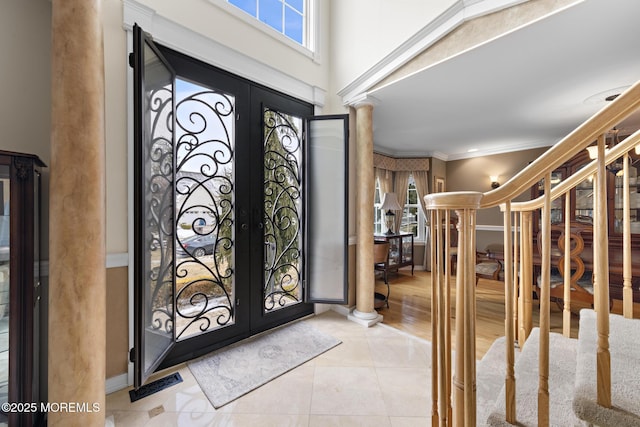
528,88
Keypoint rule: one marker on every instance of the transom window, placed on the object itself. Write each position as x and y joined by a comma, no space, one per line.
285,16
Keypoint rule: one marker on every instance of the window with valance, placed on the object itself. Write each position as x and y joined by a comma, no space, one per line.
408,178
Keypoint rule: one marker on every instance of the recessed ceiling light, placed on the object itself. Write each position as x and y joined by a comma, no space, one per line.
472,150
607,95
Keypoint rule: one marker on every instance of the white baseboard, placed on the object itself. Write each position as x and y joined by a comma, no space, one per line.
116,383
342,309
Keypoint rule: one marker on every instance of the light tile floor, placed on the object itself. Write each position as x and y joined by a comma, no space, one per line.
377,377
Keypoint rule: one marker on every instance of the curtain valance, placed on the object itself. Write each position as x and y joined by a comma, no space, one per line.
400,164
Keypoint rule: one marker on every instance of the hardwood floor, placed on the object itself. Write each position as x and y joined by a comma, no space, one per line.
410,308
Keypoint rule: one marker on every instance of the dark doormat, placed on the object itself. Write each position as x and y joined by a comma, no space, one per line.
155,386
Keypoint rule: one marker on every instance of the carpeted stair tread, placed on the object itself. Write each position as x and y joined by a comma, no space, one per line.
490,372
561,380
624,346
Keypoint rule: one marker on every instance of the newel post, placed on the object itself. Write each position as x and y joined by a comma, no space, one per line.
465,204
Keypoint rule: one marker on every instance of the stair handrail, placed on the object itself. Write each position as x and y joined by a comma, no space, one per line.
577,177
584,135
466,203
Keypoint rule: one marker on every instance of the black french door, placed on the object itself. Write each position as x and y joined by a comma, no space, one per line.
222,179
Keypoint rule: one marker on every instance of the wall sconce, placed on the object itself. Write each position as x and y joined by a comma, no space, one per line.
593,151
390,204
494,181
615,167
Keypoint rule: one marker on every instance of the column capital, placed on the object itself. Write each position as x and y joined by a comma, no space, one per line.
364,100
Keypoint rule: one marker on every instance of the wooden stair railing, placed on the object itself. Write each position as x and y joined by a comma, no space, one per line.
454,399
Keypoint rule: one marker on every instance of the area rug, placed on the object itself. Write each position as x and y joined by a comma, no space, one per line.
233,371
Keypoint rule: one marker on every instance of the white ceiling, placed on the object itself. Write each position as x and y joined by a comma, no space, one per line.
526,89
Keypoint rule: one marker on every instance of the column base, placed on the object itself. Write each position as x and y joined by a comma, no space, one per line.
365,319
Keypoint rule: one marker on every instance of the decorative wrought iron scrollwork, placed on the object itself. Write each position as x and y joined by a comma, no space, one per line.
158,209
204,210
282,210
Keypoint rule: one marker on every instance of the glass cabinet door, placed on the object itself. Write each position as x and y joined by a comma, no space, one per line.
4,282
634,201
584,201
557,204
394,251
407,248
19,286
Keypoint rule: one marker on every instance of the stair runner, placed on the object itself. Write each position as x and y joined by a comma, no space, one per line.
561,380
490,378
572,378
624,346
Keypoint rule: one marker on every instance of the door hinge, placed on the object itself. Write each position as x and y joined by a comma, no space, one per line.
131,60
132,355
237,302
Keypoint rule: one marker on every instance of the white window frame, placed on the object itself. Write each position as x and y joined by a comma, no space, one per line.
309,46
378,223
420,218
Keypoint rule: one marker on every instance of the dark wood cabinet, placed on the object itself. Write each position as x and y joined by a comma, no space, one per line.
19,286
400,250
581,214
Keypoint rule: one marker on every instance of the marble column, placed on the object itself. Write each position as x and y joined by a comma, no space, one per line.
77,293
364,312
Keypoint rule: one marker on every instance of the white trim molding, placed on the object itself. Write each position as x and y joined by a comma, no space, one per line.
310,49
118,260
499,228
196,45
459,13
116,383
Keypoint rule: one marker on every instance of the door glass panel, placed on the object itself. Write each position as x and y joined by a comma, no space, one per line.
5,228
205,138
154,288
327,210
282,284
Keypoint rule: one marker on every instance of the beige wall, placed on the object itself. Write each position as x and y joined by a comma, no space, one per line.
116,71
117,322
25,85
213,20
473,175
25,121
351,298
438,169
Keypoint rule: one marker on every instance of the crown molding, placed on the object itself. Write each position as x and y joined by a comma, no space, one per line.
364,99
461,156
501,150
411,154
460,12
440,156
